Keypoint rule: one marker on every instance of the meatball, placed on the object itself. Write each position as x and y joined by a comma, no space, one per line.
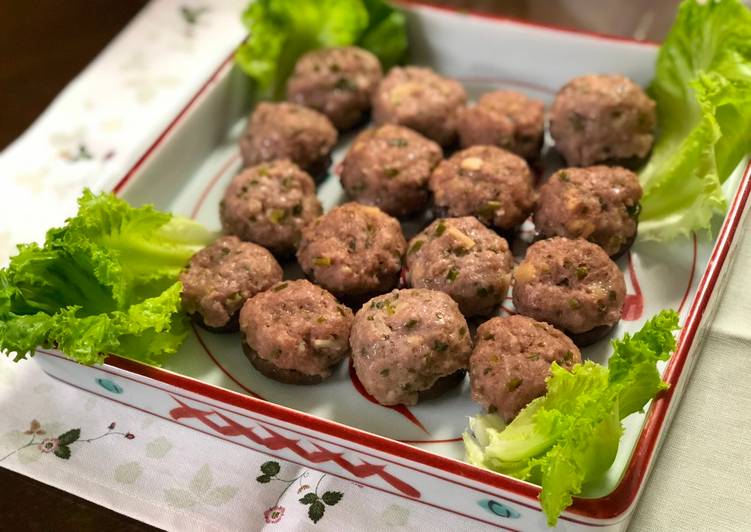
601,118
506,119
463,258
420,99
288,131
511,360
571,284
487,182
269,204
404,342
389,167
598,203
353,250
337,82
221,277
296,332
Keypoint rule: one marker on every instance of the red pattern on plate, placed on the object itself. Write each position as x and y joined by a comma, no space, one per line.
401,409
633,305
277,441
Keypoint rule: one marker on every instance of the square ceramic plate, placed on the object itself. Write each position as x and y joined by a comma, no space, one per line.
414,452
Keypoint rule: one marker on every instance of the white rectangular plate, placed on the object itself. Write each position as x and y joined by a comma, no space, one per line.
188,168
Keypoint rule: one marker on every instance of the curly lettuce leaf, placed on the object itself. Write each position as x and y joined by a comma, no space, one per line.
702,87
280,31
570,436
105,282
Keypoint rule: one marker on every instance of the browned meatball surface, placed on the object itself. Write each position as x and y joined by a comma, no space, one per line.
463,258
511,360
602,117
507,119
571,284
337,82
389,167
297,326
221,277
403,342
353,250
269,204
420,99
288,131
597,203
487,182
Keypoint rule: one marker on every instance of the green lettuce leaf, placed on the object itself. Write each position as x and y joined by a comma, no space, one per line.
280,31
105,282
702,87
570,436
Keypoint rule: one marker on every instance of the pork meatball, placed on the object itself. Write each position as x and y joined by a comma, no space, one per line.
404,342
597,203
602,118
295,332
288,131
571,284
389,167
463,258
420,99
511,360
487,182
221,277
337,82
353,250
506,119
269,204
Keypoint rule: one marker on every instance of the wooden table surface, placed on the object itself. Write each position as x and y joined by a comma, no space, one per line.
44,44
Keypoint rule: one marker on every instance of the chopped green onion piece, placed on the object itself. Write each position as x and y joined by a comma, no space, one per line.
440,229
513,384
277,215
415,247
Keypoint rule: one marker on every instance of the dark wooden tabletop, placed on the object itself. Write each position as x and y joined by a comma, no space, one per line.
45,43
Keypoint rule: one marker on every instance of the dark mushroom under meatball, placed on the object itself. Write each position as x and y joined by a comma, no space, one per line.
487,182
353,250
269,204
597,203
463,258
601,118
507,119
288,131
221,277
420,99
337,82
389,167
511,360
404,342
295,332
571,284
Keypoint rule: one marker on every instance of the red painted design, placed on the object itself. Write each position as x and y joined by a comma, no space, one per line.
633,306
222,368
401,409
212,183
690,277
277,441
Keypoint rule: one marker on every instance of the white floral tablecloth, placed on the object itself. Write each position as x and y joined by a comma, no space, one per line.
174,478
